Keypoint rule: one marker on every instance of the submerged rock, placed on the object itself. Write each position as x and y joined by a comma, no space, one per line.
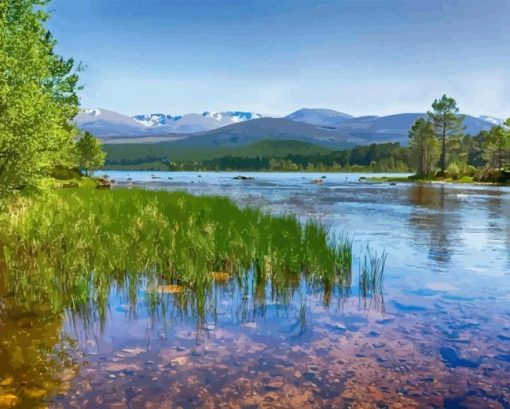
171,289
275,384
453,360
181,360
121,366
8,400
221,276
7,381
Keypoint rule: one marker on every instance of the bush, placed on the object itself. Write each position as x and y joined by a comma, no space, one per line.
64,173
492,175
453,171
469,171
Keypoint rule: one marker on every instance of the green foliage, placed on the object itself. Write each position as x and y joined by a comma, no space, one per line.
424,147
90,153
64,173
101,239
264,156
497,147
453,171
132,155
37,96
448,128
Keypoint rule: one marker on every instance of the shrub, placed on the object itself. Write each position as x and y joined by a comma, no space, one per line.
453,171
487,175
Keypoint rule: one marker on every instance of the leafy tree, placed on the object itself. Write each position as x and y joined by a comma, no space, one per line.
38,96
90,153
497,146
424,147
448,127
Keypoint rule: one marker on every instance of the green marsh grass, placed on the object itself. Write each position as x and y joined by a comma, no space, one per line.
71,247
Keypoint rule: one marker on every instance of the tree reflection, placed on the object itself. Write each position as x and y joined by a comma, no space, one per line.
36,357
434,222
498,219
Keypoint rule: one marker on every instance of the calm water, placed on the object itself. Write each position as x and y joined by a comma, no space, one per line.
437,336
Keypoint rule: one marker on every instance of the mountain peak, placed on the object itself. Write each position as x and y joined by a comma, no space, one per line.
492,120
319,116
234,116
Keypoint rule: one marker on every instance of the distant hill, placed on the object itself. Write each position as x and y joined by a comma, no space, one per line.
268,128
363,130
236,128
151,153
104,123
492,120
318,116
395,128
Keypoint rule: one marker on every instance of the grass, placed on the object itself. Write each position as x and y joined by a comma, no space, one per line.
371,277
71,246
389,179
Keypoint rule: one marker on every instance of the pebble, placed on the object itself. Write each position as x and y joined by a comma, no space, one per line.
8,401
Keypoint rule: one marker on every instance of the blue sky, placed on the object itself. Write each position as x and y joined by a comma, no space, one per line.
273,57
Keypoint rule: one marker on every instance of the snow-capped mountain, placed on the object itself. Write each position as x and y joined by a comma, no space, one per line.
307,124
152,120
105,123
233,116
492,120
190,123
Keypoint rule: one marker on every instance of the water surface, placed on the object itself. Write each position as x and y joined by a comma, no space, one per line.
438,335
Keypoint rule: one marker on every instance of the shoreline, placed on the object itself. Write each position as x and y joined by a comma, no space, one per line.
436,182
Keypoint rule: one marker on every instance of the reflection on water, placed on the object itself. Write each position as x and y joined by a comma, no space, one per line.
436,334
36,356
435,228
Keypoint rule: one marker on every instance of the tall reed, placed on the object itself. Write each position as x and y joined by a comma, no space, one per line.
71,247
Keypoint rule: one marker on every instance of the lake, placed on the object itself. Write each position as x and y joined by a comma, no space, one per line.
436,335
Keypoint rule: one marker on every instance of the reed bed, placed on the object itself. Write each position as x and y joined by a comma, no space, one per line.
71,247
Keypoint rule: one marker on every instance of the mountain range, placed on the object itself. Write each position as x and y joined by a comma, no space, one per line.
232,128
105,123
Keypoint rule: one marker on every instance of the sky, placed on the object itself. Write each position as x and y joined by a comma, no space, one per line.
273,57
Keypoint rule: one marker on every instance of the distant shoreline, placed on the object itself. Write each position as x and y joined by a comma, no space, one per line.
462,181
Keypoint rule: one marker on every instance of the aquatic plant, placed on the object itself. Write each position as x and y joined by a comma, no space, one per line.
371,275
72,247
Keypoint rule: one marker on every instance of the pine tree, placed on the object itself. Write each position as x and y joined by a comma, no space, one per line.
448,128
497,146
424,147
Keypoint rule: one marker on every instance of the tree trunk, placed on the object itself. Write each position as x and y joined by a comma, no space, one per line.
443,148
